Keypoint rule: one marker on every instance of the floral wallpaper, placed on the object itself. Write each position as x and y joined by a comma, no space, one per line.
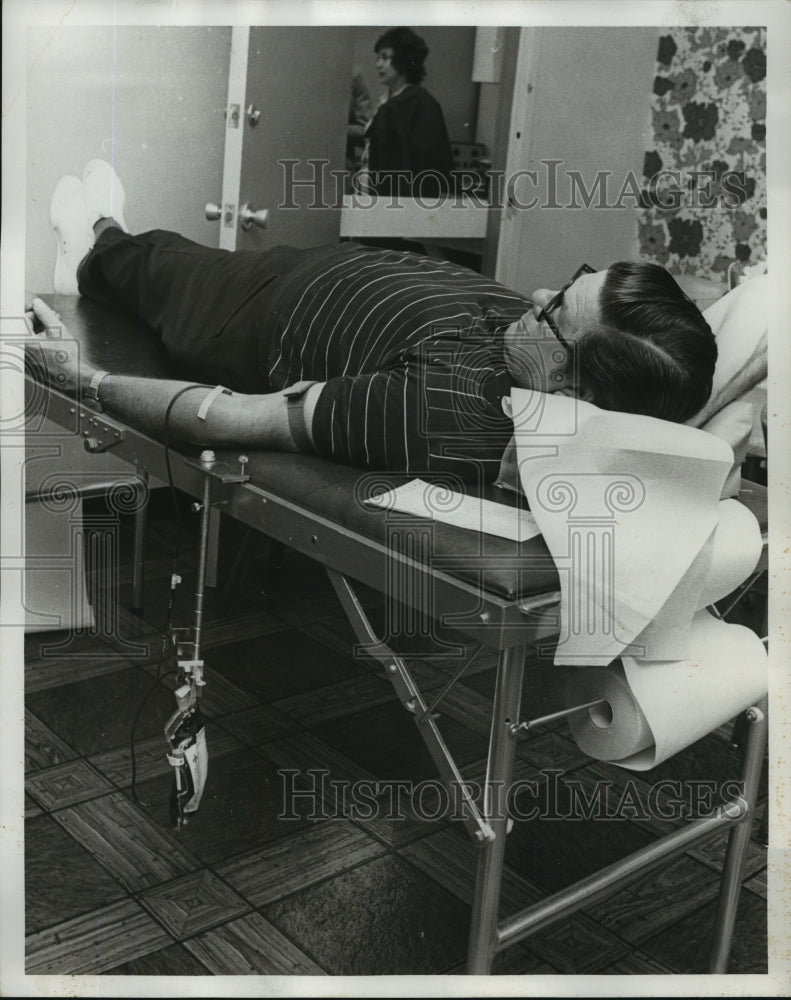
704,183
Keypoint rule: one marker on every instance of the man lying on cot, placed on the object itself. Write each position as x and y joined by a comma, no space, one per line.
373,357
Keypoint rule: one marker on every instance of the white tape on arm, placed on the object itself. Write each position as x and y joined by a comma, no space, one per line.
203,409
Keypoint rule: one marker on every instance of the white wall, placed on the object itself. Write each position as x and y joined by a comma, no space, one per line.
151,100
587,103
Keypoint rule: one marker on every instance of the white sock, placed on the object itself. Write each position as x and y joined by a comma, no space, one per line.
68,216
104,193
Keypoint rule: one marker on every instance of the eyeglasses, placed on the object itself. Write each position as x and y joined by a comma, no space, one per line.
545,316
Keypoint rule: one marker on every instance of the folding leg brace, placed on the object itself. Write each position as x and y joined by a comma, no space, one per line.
411,698
488,825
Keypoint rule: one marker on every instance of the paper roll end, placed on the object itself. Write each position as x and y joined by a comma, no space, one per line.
614,729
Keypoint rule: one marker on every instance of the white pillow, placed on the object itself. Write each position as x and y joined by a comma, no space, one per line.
734,424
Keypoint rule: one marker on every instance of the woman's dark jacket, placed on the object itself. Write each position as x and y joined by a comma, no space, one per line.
408,133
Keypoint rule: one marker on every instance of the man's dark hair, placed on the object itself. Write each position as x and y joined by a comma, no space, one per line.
653,353
409,52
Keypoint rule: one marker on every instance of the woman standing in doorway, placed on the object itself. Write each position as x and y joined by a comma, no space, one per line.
409,150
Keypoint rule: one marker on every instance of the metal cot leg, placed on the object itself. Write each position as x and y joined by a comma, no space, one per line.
499,771
739,841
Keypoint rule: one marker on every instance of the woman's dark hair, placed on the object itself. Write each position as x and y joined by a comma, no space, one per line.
653,353
409,52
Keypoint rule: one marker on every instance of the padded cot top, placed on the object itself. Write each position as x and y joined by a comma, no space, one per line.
510,570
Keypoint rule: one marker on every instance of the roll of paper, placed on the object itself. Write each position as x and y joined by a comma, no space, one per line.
655,709
736,551
616,729
725,562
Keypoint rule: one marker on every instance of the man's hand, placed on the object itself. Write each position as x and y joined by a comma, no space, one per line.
55,355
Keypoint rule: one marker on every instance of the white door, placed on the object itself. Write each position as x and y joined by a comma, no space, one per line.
288,101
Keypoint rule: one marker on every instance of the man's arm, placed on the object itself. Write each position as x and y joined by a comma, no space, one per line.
254,421
232,420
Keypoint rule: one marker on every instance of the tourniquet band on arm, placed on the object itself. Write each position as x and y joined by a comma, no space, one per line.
295,397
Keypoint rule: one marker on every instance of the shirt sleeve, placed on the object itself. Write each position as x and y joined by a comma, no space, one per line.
426,416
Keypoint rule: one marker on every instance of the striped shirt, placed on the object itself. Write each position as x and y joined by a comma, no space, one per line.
411,351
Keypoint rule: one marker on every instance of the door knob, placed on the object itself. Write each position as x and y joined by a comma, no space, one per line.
250,216
212,211
253,115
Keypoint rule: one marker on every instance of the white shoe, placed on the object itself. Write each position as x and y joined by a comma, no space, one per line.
68,216
104,193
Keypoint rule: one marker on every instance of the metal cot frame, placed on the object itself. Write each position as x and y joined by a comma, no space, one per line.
498,623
